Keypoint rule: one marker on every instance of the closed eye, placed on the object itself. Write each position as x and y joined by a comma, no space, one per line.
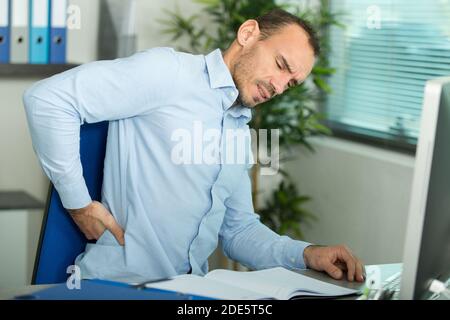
279,64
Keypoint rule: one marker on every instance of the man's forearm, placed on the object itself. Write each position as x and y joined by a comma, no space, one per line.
258,247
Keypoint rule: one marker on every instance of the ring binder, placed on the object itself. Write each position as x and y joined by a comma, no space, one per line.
19,31
39,31
4,31
58,31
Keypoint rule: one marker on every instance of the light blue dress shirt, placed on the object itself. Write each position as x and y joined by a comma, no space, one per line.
173,214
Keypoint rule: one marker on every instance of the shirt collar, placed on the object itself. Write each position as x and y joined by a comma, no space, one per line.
219,74
220,77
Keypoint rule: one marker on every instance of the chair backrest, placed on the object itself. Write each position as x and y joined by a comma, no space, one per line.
61,241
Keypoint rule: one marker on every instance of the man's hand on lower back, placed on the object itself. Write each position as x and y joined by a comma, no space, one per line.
94,219
334,260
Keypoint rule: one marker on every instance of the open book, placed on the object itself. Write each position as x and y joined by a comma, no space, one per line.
276,283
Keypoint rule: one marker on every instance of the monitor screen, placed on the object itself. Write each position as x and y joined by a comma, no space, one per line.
427,243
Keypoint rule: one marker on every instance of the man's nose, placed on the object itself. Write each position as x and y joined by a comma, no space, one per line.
280,85
276,87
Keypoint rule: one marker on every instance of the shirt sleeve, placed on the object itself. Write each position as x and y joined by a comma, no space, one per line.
94,92
245,239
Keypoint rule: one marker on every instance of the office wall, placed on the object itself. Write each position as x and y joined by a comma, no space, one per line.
360,195
19,169
148,26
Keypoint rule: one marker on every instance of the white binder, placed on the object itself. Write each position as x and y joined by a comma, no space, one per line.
19,31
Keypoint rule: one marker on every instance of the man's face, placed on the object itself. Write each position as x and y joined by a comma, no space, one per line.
269,67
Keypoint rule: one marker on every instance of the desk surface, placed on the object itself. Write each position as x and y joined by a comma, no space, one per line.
387,270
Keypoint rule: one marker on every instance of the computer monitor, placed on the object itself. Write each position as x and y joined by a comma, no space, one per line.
427,243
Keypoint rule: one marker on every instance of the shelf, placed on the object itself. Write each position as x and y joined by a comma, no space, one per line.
13,200
33,70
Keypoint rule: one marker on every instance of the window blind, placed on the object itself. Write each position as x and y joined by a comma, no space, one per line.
384,55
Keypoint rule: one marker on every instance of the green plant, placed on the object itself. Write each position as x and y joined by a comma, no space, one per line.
284,210
293,113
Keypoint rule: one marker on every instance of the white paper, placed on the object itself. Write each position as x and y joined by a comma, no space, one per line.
275,283
201,286
279,283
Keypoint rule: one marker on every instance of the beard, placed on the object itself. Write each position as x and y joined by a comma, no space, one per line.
242,72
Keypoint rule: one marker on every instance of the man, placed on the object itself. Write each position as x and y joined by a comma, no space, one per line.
159,218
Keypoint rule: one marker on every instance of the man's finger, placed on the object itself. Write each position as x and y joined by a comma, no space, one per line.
107,219
341,265
89,236
112,225
333,271
350,262
360,271
97,228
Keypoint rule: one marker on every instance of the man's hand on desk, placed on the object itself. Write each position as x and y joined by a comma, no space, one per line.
94,219
334,260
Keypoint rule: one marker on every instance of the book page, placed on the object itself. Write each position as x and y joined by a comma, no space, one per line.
196,285
279,283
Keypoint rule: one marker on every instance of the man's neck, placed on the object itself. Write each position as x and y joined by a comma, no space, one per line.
229,56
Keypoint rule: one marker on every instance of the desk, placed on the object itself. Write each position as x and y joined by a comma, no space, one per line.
387,270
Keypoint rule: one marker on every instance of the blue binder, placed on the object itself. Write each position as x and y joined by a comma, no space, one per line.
39,31
58,31
4,31
106,290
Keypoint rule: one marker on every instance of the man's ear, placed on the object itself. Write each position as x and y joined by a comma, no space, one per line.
248,33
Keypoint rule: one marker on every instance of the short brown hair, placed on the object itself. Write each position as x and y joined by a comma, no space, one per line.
271,22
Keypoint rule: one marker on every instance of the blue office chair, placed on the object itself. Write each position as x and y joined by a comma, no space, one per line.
61,241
